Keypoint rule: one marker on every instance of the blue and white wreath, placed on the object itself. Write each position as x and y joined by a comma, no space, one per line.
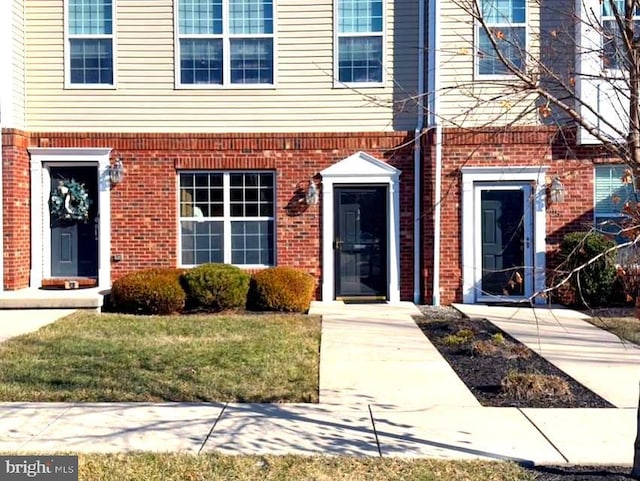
70,201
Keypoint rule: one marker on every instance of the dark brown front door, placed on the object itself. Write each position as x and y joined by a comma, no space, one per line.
361,242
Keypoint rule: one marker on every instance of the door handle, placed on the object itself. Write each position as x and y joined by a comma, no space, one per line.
337,244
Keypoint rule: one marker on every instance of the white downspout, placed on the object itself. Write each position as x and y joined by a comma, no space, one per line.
417,162
434,123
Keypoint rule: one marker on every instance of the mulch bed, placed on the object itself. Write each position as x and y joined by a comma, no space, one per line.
483,373
581,473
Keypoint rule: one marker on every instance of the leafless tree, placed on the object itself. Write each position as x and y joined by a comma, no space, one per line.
578,71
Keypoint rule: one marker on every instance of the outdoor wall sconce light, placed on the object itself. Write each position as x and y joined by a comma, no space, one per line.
556,191
116,171
312,196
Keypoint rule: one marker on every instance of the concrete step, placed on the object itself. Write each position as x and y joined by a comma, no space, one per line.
53,299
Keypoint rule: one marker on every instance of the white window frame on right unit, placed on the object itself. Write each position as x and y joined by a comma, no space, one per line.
509,29
359,43
610,194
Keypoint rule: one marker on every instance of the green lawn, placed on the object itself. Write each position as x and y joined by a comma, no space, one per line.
183,467
621,322
112,357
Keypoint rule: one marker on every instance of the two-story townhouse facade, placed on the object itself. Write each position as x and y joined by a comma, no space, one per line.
356,139
225,116
511,177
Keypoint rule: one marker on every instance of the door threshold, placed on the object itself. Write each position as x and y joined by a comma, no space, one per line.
363,300
68,283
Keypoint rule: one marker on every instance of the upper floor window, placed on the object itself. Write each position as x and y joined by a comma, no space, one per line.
507,22
614,55
224,42
227,217
360,42
611,195
90,37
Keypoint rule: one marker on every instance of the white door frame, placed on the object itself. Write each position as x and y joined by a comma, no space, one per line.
526,189
472,177
360,169
41,160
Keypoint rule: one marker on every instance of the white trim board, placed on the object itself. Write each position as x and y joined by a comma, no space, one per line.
360,169
40,187
473,175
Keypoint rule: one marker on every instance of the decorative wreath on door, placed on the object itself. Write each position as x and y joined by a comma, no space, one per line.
69,201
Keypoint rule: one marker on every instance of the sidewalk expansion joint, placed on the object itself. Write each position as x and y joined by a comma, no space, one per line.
213,426
375,431
69,408
543,435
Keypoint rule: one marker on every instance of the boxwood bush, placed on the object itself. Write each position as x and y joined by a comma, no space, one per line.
282,289
216,287
591,285
149,291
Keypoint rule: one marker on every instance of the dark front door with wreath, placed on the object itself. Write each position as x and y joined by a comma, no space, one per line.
73,207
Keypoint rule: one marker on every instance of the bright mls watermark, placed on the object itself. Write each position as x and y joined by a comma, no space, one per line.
50,468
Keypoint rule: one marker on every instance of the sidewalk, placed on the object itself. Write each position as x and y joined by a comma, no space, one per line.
384,391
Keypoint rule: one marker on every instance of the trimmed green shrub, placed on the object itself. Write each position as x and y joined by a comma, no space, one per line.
282,288
216,287
150,291
592,284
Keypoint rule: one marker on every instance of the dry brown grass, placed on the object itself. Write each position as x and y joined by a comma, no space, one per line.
534,386
215,467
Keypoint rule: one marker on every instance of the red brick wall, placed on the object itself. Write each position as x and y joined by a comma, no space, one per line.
524,147
16,205
144,205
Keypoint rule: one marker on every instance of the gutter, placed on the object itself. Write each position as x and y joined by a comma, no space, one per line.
417,161
433,89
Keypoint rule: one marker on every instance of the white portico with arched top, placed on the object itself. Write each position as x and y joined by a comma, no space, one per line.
361,230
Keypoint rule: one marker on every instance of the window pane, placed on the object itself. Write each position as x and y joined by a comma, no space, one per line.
201,61
615,55
511,41
202,223
504,11
202,242
250,16
91,61
201,195
252,61
608,11
611,194
360,59
90,17
360,16
200,17
252,242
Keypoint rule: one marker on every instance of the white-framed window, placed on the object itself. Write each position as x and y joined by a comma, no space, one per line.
90,42
360,42
225,42
227,217
507,22
610,195
614,55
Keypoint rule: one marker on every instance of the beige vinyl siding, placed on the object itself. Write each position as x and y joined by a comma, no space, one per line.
146,99
467,100
17,65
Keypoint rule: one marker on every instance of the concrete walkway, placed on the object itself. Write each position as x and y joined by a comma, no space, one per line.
384,391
